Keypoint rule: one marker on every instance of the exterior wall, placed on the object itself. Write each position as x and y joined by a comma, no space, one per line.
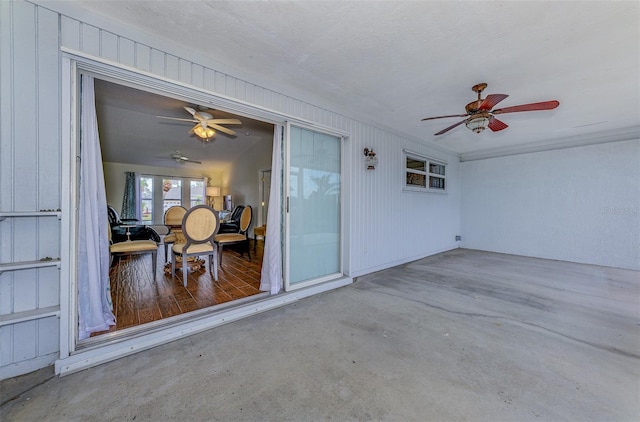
578,204
384,226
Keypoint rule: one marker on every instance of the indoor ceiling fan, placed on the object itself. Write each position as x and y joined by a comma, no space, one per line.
205,123
182,159
479,114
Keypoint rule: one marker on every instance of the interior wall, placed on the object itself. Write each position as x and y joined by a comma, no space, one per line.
577,204
243,182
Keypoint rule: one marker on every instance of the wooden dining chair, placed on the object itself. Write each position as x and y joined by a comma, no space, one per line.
199,227
227,239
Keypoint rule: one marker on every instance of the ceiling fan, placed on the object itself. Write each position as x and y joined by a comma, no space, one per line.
479,114
205,123
182,159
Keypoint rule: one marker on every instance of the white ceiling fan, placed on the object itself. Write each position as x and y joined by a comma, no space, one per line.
205,123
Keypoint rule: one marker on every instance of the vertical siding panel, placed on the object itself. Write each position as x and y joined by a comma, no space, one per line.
70,33
126,52
48,117
209,82
7,112
6,293
108,45
90,41
197,75
230,86
220,83
24,290
24,341
158,64
6,339
250,93
24,75
172,67
240,90
48,335
143,57
48,287
184,71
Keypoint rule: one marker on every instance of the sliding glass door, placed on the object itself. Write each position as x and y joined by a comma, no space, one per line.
313,207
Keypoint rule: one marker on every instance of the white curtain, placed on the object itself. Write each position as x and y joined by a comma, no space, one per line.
94,297
271,277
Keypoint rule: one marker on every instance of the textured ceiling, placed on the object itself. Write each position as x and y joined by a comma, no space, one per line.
393,63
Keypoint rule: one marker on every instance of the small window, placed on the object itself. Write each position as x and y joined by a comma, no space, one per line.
423,174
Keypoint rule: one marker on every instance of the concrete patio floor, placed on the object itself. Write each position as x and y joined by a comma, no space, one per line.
460,336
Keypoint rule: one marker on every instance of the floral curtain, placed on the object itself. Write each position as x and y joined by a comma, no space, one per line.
130,200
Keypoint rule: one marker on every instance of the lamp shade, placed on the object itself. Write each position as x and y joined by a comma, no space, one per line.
213,191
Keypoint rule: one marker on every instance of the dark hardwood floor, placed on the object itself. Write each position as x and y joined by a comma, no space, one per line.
138,299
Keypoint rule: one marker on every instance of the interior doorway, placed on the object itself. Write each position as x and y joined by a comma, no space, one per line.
134,139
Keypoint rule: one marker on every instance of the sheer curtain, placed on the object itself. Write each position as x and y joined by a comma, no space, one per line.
94,297
271,277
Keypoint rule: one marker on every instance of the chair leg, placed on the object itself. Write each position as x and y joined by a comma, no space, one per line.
220,253
173,264
154,260
185,267
214,256
248,249
166,257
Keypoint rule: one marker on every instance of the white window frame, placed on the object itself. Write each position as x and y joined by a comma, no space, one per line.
430,163
158,200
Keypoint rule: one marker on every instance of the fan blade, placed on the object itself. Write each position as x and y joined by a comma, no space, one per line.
191,161
221,128
496,125
544,105
176,118
443,117
225,121
491,101
190,110
450,127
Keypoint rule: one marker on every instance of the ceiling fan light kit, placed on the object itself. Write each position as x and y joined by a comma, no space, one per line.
204,132
480,114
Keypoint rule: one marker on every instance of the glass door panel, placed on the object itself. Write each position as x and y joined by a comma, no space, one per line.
314,208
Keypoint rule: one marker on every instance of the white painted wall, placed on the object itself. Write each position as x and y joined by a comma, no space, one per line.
577,204
384,226
243,182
